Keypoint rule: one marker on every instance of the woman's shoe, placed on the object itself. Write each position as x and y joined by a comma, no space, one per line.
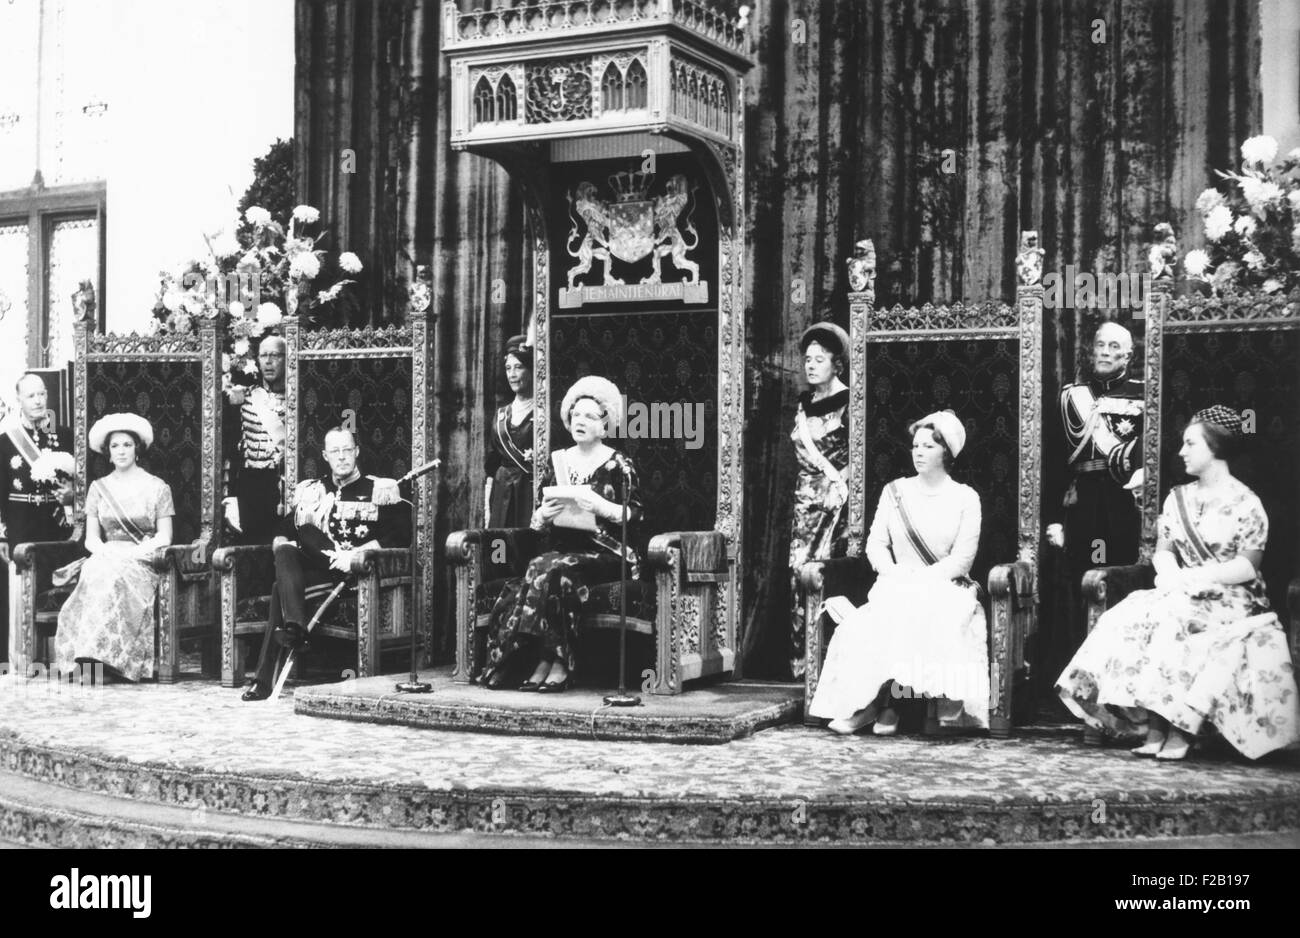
885,727
1175,752
1147,750
530,685
255,692
553,687
850,725
493,680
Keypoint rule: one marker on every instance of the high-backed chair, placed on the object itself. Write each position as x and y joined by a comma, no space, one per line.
372,380
1243,351
985,363
173,382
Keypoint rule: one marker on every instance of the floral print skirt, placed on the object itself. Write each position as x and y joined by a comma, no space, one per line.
817,534
544,607
110,615
1190,660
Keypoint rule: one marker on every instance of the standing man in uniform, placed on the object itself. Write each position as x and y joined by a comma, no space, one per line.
30,510
254,476
1102,418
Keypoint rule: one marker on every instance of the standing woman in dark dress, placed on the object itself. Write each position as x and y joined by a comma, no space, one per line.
534,623
821,443
507,493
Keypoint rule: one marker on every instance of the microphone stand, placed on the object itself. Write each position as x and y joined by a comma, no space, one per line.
415,685
623,698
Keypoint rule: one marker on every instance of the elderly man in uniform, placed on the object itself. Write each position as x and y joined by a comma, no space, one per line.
253,480
332,518
1102,418
31,509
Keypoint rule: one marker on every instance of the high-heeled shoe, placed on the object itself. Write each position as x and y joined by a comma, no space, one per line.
530,685
494,680
881,728
1174,753
553,687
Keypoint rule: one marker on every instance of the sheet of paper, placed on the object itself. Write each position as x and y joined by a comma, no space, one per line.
572,516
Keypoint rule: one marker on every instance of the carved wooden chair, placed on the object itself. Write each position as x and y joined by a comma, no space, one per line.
985,363
374,380
173,382
1242,351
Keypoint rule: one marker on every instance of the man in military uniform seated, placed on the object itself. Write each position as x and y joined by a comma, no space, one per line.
253,475
332,517
31,509
1102,418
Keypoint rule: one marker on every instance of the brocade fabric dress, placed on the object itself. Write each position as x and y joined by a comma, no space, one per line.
110,615
818,528
546,604
1217,655
509,466
929,634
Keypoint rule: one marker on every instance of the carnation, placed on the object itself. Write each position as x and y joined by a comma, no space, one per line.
1209,199
1218,221
306,214
268,315
1260,149
349,263
257,216
241,347
305,266
1196,262
1244,226
236,309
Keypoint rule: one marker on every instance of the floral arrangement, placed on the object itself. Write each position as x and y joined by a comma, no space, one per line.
1252,224
257,273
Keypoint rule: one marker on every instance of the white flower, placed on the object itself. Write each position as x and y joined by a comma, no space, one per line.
306,214
257,216
305,266
193,304
172,299
241,347
1254,260
1209,199
349,263
254,328
1259,193
250,367
1196,262
1259,149
268,315
1244,226
225,360
237,309
1217,222
1294,198
249,262
1294,154
18,460
1295,238
225,245
1272,285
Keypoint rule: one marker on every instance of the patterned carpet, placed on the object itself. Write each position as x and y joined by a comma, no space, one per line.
196,744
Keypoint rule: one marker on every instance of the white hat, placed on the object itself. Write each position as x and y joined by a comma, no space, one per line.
105,426
950,428
602,391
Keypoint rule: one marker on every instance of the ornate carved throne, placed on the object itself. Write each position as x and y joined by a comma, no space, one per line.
985,363
373,380
1243,351
173,382
647,94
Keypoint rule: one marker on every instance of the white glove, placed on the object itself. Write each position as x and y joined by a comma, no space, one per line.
1056,535
230,506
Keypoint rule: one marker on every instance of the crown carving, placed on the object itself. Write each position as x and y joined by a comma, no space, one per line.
631,187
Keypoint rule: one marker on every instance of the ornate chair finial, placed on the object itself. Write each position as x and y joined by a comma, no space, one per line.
1029,262
862,267
1163,253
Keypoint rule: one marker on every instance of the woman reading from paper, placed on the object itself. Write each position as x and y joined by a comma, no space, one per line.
110,615
1202,647
507,494
821,444
922,631
534,624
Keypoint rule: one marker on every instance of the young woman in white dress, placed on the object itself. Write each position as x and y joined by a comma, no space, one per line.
922,631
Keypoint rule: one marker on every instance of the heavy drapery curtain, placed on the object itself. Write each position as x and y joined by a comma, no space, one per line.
937,127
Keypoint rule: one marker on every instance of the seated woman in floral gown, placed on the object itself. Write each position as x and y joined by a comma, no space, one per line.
922,631
534,623
1202,647
110,615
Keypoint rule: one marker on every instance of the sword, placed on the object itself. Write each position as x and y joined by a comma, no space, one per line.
288,662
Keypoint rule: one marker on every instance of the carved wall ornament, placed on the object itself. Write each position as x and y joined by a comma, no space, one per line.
1163,253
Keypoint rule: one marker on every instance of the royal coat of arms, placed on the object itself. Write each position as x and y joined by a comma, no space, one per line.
629,228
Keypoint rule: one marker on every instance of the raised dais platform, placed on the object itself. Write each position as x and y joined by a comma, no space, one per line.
189,764
712,714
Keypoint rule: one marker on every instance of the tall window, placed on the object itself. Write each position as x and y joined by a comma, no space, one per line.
54,117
